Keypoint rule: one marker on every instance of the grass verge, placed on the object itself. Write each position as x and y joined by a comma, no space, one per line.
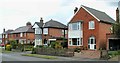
5,51
40,56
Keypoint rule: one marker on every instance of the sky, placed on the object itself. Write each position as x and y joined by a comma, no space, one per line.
16,13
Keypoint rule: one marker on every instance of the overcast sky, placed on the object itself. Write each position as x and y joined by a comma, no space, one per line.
15,13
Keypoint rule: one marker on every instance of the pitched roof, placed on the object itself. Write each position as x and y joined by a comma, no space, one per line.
23,29
102,16
40,24
8,31
55,24
99,15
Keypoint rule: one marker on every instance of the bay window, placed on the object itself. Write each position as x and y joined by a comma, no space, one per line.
75,26
75,41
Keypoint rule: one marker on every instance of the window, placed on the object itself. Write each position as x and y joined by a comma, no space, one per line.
75,41
81,41
62,32
16,35
28,42
3,36
91,25
24,34
65,31
37,31
6,35
21,34
75,26
70,42
45,31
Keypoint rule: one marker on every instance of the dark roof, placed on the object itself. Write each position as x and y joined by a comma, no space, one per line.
55,24
7,32
23,29
39,24
102,16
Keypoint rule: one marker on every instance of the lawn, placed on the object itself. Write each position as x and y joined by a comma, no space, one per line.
113,53
4,51
40,56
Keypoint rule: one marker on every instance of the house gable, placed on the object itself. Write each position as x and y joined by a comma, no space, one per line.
35,26
98,15
78,12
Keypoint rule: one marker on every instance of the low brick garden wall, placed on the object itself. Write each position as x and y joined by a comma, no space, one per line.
55,52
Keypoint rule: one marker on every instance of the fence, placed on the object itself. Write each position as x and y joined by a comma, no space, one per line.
55,52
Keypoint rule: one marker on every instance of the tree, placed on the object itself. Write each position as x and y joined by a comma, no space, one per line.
116,29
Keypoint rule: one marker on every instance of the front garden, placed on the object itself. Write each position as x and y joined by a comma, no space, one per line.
12,45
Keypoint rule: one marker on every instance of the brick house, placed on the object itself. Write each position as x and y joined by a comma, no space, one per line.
51,31
23,35
88,28
6,36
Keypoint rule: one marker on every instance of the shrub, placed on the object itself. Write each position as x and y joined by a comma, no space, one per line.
118,52
39,46
21,47
34,51
8,47
13,43
77,50
53,44
58,45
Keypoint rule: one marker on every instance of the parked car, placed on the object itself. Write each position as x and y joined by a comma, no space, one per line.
2,45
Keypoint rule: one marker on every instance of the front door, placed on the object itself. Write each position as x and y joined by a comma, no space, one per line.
92,43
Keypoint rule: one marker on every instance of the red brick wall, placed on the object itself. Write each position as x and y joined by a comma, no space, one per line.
103,30
55,32
30,36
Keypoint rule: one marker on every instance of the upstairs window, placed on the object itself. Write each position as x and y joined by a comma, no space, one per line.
45,31
37,31
75,26
91,25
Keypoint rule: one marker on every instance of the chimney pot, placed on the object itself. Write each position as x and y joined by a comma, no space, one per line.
75,10
4,30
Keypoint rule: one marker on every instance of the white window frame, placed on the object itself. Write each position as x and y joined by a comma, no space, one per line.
45,31
37,30
21,34
78,26
66,31
91,25
62,32
6,36
78,40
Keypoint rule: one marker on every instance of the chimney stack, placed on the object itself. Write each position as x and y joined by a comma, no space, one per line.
41,20
117,15
28,24
75,10
3,30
